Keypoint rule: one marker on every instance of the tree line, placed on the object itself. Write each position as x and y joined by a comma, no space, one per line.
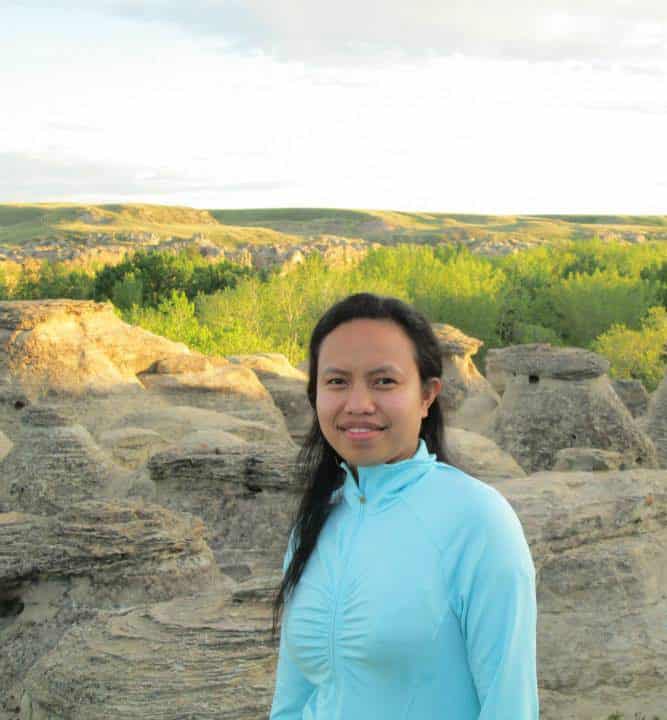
609,298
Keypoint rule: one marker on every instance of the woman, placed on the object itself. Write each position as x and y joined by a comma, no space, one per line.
411,585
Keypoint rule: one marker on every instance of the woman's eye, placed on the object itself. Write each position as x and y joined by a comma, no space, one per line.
334,381
389,380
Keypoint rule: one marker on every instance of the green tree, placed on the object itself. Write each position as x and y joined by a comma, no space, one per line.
637,354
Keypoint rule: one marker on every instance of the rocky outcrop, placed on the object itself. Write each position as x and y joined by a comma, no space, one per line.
588,460
467,398
600,552
557,398
599,543
479,456
287,386
145,522
241,490
633,394
74,347
231,389
57,462
58,571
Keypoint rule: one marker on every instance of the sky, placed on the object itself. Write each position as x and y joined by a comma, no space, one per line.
512,106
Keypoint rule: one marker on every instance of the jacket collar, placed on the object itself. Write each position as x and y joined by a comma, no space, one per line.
381,484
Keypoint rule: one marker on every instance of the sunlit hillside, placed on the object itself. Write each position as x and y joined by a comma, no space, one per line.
20,223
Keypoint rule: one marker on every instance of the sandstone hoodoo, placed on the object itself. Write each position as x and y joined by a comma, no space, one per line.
556,397
467,397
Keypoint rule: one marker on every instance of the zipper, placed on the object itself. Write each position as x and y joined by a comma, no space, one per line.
362,502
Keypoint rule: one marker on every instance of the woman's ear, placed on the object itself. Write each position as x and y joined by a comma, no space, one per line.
431,392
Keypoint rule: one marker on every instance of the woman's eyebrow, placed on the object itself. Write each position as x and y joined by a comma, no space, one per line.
382,368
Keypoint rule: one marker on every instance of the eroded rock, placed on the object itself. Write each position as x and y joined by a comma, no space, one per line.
479,456
57,571
467,398
287,386
55,463
558,398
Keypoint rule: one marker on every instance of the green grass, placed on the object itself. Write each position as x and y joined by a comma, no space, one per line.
22,222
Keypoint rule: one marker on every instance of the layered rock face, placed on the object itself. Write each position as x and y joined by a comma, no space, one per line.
144,515
600,551
557,398
58,571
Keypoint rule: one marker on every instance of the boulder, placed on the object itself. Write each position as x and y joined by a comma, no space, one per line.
56,462
633,394
74,347
478,456
287,386
232,389
207,656
558,398
173,423
467,398
588,460
58,571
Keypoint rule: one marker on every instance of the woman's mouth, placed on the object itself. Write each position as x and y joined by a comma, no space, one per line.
361,433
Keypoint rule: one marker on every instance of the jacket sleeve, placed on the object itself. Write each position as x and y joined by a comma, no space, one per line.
292,689
499,614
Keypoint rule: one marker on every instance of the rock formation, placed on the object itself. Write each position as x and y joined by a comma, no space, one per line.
479,456
600,551
467,398
557,398
287,386
633,394
146,495
57,462
57,571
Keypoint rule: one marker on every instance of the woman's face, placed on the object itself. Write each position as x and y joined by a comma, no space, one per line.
367,379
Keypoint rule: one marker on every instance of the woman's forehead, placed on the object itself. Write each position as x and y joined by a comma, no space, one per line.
365,344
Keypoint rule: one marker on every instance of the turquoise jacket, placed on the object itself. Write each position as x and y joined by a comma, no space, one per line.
418,603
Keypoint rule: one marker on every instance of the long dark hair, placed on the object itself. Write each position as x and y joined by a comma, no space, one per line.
317,464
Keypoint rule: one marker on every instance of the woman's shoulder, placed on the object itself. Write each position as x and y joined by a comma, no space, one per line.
451,500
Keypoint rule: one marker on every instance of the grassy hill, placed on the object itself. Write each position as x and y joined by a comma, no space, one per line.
21,223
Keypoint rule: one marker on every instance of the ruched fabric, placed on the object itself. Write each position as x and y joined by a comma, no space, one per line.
418,603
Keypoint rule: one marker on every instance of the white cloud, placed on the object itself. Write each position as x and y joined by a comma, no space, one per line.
351,30
26,177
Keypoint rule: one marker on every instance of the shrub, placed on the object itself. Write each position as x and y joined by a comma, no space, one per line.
637,354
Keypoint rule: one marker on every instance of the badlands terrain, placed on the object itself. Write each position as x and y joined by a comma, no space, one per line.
146,492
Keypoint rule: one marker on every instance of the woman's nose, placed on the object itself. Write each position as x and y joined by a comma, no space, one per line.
359,399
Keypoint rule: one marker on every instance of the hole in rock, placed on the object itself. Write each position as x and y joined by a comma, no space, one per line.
19,405
532,379
10,607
